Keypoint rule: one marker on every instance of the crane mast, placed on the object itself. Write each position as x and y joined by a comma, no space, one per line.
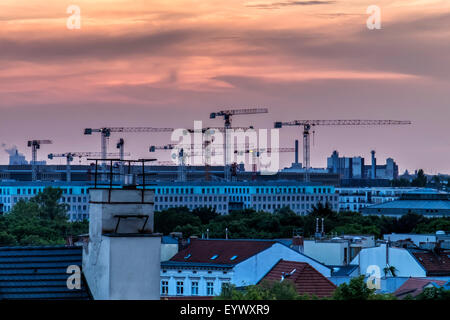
35,145
227,117
70,155
308,124
106,133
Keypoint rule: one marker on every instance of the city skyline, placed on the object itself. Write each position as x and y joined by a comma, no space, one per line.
144,63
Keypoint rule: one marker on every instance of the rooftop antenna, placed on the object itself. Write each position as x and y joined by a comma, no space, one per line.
317,225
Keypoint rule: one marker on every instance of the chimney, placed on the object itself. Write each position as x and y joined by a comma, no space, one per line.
122,258
297,243
373,173
296,152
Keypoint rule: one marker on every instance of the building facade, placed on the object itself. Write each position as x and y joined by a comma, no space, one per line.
356,198
75,196
261,196
220,196
206,265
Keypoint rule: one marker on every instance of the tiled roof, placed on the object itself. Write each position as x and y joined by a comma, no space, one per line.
225,252
342,271
414,286
434,264
39,273
306,279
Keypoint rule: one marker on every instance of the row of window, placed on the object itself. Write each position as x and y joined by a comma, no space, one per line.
180,288
240,190
34,191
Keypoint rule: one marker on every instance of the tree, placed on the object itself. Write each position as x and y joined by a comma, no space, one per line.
434,294
356,289
167,221
408,222
420,180
40,221
267,290
390,270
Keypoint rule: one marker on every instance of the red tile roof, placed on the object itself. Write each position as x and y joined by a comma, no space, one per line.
415,286
434,264
203,250
306,279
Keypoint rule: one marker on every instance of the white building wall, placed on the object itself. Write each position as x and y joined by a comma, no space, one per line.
401,259
329,253
168,250
202,276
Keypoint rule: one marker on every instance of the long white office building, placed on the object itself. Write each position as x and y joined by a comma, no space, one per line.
223,197
75,195
261,196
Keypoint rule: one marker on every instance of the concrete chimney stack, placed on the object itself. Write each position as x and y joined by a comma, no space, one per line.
122,259
373,172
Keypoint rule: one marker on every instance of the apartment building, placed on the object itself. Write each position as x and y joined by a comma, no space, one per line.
75,195
261,196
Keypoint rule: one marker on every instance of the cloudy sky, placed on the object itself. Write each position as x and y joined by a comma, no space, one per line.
168,63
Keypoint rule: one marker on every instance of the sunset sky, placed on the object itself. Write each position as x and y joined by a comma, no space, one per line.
168,63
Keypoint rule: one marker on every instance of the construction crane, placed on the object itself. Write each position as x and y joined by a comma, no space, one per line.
121,146
255,153
35,145
308,124
227,116
106,133
70,155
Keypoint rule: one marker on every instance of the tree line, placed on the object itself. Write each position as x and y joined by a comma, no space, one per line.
40,221
284,223
43,221
355,289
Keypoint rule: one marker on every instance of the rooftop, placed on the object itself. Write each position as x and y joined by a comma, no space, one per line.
415,286
39,273
306,279
435,264
220,252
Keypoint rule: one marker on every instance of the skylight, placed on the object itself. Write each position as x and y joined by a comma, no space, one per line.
214,257
233,258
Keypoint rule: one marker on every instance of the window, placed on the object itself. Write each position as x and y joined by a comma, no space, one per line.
180,287
164,287
194,288
210,288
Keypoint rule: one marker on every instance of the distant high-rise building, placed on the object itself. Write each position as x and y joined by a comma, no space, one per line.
355,167
16,158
